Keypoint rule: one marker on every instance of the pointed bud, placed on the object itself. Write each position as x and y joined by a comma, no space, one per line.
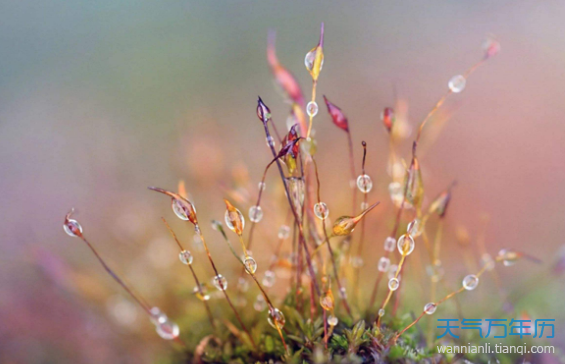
338,117
263,112
283,77
183,208
387,117
345,225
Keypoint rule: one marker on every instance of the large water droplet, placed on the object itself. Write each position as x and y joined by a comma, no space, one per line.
276,318
220,282
250,265
383,265
312,108
390,243
406,244
470,282
185,257
393,284
364,183
255,213
430,308
321,210
72,228
457,83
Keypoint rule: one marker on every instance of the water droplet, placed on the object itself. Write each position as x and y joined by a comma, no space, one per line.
178,209
220,282
198,245
284,232
390,243
430,308
168,330
72,228
157,316
457,83
393,284
216,225
310,58
321,210
185,257
270,141
491,47
262,186
255,213
242,284
508,257
234,219
327,301
381,312
406,244
202,293
364,205
312,108
414,228
343,293
364,183
383,265
332,320
487,261
260,303
435,271
276,318
250,265
356,262
269,278
392,271
470,282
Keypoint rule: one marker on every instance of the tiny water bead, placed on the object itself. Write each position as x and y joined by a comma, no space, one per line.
185,257
435,271
202,292
430,308
413,228
332,320
242,284
392,271
393,284
270,141
321,210
312,109
364,183
167,330
284,232
381,312
390,243
457,83
276,318
383,264
260,304
72,228
261,186
487,261
255,213
406,244
356,262
250,265
508,257
327,301
342,293
220,282
157,316
364,205
269,278
470,282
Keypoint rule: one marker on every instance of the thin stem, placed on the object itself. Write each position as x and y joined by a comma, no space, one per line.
199,232
301,239
143,305
390,292
330,250
196,280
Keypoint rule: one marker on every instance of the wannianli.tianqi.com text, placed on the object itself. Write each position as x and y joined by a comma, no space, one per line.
489,348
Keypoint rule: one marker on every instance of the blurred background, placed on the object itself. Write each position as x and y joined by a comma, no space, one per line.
99,100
